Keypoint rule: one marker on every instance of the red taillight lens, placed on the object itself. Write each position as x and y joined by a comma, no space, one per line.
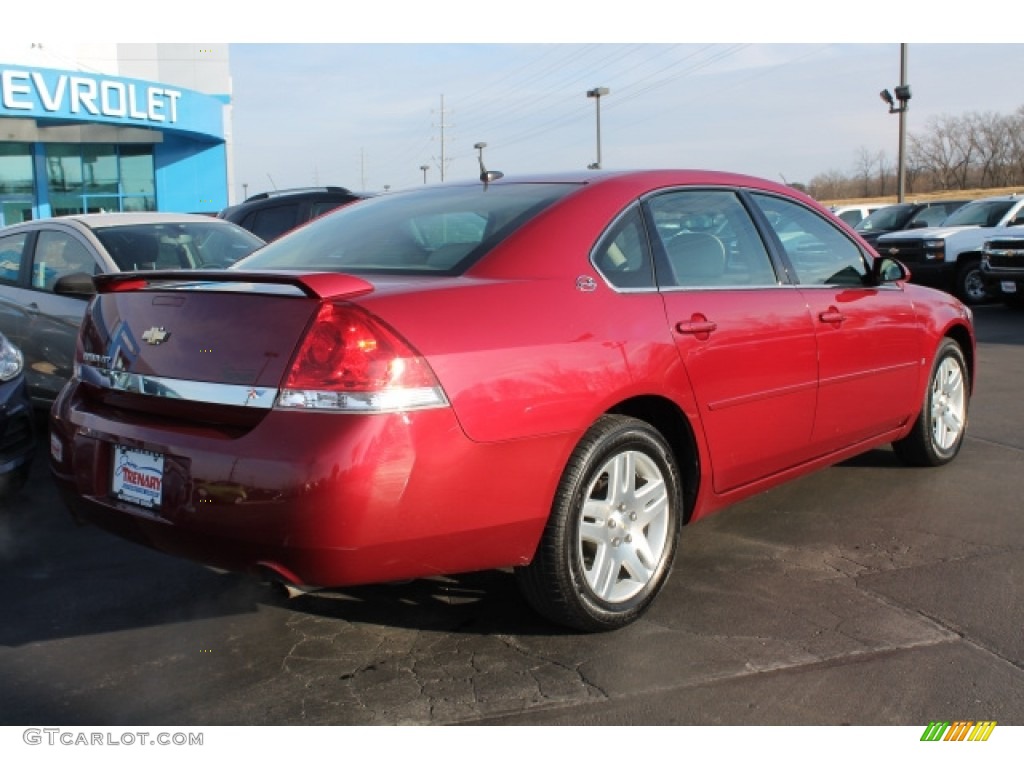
351,361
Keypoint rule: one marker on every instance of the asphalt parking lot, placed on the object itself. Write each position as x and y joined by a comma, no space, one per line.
867,594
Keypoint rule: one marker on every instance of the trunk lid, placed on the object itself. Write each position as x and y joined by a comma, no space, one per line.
200,345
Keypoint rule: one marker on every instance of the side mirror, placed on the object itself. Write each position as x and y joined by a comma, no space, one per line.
886,269
919,224
77,284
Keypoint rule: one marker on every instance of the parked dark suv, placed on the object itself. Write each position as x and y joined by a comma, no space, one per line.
270,214
900,216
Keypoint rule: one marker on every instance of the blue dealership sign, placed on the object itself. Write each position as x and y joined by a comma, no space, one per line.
57,95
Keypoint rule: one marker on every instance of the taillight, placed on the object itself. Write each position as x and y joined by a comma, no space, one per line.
350,360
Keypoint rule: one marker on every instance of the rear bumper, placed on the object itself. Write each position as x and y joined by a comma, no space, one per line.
317,499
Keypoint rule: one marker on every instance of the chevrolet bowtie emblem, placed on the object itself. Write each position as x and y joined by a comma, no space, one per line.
155,336
893,251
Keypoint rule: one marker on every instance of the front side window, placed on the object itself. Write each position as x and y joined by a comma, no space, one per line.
57,255
708,239
12,250
819,252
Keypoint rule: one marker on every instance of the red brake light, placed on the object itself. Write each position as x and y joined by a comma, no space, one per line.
350,360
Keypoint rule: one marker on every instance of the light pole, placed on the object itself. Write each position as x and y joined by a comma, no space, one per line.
424,168
902,92
245,191
596,94
479,147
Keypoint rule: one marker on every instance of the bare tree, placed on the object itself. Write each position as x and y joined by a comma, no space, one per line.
831,185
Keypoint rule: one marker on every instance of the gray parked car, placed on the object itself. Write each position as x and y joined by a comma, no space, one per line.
46,269
17,445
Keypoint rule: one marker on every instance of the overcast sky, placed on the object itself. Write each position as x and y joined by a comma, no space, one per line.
365,116
351,93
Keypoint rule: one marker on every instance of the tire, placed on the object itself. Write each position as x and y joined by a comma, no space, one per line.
608,546
939,430
970,287
12,482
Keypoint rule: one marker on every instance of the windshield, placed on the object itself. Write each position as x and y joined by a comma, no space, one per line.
176,245
890,217
980,213
434,230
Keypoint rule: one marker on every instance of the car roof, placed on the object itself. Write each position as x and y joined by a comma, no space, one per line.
99,220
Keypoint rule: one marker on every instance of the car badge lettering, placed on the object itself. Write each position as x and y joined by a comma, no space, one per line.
92,357
586,283
155,336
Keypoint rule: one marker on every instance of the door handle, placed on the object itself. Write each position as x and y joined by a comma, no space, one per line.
832,315
696,327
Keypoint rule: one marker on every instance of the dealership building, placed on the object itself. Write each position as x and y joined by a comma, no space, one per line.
111,127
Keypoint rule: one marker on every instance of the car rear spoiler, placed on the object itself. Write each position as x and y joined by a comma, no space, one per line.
317,285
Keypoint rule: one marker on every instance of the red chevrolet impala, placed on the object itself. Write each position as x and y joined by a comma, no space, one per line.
552,373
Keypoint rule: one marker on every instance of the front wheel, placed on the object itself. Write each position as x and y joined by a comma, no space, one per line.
970,286
609,543
940,427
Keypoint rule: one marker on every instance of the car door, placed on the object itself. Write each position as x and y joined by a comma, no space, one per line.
870,343
14,250
53,320
745,337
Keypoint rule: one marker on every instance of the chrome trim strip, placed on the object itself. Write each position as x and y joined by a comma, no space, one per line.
179,389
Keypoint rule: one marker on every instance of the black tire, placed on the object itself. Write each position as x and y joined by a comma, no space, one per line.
14,481
939,430
600,564
970,287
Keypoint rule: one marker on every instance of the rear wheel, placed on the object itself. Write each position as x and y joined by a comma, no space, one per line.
611,538
939,430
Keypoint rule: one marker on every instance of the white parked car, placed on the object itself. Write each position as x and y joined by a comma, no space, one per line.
853,214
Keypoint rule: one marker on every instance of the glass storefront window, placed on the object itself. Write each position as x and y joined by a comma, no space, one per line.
64,168
99,164
87,178
137,175
15,168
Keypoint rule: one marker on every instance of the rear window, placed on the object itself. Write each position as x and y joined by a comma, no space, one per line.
437,230
981,213
176,245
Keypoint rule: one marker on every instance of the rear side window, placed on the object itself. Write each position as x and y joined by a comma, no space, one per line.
428,231
623,255
708,239
271,223
12,250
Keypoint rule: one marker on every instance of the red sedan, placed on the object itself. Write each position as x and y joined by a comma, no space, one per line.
554,374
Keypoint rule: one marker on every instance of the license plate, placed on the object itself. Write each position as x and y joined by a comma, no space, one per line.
1008,286
138,476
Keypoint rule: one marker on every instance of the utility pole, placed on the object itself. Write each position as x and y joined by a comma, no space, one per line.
903,97
443,126
596,94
